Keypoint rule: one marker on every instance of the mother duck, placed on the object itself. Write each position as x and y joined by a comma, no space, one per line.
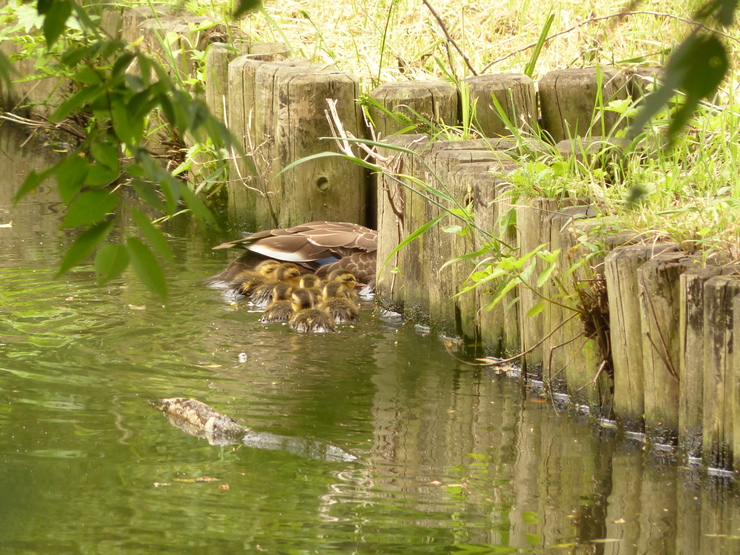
319,247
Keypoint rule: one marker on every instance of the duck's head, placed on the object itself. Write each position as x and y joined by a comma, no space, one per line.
309,281
344,277
267,268
288,272
301,300
281,292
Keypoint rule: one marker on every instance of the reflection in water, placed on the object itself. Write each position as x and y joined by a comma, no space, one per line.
450,457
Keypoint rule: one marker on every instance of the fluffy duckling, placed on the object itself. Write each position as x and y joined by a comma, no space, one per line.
246,281
306,318
312,283
337,303
286,272
349,281
280,308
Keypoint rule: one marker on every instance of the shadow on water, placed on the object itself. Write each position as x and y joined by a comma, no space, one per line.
450,458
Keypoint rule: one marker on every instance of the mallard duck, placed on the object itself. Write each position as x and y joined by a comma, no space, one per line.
306,318
315,246
337,303
280,308
285,272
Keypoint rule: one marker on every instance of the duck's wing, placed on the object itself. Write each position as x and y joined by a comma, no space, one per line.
361,264
309,242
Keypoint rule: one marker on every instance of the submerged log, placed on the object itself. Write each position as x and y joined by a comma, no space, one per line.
200,420
660,308
719,385
625,326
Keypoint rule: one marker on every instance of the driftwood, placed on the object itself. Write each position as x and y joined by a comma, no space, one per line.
198,419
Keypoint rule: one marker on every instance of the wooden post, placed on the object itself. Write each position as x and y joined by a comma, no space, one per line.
691,359
659,296
133,18
533,231
217,80
626,330
415,101
249,171
718,433
735,380
486,327
514,92
392,218
569,101
442,285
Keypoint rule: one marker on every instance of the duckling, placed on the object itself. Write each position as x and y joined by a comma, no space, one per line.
348,280
312,283
280,308
247,281
323,245
306,318
337,303
286,272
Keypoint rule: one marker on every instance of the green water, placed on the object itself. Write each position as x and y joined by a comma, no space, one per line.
450,458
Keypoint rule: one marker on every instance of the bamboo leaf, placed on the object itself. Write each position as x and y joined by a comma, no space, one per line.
56,20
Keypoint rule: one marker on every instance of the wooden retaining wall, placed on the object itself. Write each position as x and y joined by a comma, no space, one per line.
644,334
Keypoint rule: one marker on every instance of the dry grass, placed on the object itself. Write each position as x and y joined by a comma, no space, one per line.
385,40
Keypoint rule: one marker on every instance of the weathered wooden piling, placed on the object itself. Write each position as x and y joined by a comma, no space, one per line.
515,94
572,101
661,342
413,103
280,112
691,359
625,325
719,395
444,284
484,182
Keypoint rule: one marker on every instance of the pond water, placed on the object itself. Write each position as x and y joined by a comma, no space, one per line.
450,458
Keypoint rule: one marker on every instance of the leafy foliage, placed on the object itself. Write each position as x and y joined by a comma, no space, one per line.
118,94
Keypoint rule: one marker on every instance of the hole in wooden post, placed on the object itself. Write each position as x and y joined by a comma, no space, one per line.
322,184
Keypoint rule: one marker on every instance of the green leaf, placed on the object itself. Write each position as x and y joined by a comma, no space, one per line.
153,235
75,102
32,182
110,262
5,70
147,268
90,207
56,20
536,309
128,129
71,173
545,275
415,235
106,154
84,245
148,194
197,207
99,176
